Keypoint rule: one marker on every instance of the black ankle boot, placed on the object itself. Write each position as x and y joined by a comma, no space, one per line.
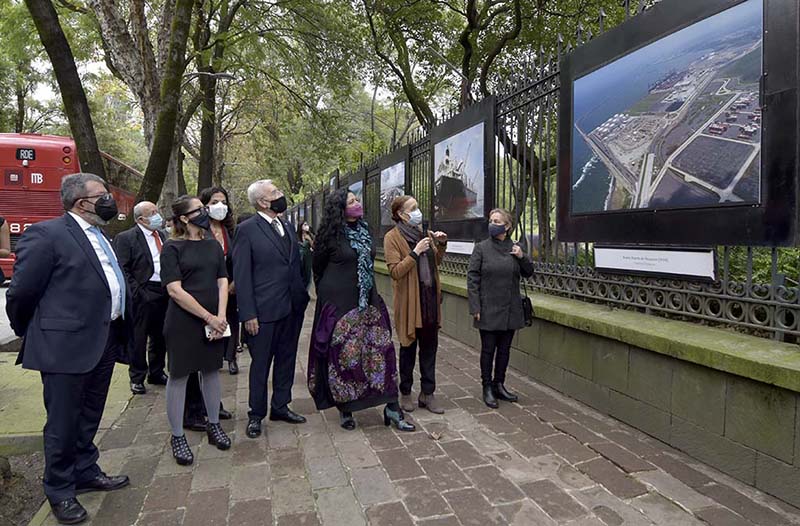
181,450
347,421
488,397
502,393
396,418
217,437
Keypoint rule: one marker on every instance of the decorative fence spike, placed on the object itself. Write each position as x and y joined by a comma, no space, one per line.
601,19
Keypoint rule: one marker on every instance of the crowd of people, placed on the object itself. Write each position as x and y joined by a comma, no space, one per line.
168,296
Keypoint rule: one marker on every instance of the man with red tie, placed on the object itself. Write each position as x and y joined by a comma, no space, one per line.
138,250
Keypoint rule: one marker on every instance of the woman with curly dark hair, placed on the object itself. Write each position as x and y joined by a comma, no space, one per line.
306,240
351,362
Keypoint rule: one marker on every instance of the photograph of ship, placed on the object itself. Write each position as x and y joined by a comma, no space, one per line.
393,180
674,124
458,178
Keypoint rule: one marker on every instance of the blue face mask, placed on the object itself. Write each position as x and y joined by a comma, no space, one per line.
156,221
496,230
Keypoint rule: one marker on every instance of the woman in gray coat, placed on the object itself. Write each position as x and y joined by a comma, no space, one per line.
494,301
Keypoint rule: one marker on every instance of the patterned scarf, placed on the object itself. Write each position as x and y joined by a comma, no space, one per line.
361,241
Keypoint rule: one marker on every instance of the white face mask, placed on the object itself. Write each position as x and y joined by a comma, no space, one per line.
218,211
415,217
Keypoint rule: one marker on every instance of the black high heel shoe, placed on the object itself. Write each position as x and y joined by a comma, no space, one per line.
346,420
181,450
396,418
217,437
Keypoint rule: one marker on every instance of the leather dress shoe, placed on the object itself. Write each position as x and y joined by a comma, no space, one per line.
224,414
69,511
138,388
158,379
289,416
195,424
103,483
254,428
233,367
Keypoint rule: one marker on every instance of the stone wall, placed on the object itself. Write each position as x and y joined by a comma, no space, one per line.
746,428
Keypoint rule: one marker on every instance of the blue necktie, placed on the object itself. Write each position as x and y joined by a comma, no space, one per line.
114,265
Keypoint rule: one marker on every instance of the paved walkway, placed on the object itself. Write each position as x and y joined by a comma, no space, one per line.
544,461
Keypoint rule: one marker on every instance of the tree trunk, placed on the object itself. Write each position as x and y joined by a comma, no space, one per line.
69,83
164,137
19,120
205,172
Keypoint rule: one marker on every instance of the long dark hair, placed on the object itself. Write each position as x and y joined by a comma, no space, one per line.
301,235
205,197
333,223
180,207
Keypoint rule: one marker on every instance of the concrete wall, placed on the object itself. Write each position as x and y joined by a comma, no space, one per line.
745,428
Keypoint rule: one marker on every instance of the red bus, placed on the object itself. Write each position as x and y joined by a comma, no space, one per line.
32,166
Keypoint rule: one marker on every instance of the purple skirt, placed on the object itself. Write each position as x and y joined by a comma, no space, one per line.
351,362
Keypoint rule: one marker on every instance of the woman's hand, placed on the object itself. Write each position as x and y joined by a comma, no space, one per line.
439,236
516,251
217,323
423,245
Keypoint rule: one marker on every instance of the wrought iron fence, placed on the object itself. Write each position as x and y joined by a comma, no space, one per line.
756,290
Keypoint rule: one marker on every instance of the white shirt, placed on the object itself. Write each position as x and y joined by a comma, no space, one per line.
105,263
270,220
154,253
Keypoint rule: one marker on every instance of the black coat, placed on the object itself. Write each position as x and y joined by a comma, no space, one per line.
134,257
493,285
59,301
266,271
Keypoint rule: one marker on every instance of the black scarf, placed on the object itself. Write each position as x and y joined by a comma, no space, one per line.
413,236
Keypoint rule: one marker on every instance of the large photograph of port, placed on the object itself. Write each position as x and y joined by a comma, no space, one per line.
676,123
462,159
671,131
393,183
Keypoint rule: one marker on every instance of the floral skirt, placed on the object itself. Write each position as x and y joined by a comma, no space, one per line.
351,362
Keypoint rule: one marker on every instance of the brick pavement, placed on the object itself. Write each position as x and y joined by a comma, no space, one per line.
546,460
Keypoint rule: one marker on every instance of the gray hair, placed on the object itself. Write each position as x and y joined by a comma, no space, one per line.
138,210
255,191
73,187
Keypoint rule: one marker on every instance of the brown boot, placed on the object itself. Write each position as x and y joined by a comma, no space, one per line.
407,403
430,403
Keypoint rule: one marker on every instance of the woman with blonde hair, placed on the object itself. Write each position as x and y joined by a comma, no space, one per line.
495,268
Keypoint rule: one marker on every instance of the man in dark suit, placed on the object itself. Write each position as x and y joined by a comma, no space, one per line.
139,252
69,302
272,301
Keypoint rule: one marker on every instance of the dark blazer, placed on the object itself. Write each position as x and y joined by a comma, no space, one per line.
493,285
134,257
266,270
59,301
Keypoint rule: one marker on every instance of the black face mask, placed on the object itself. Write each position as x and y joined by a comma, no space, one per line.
279,205
106,208
201,220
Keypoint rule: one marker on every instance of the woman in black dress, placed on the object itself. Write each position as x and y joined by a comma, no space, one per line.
351,363
306,240
193,270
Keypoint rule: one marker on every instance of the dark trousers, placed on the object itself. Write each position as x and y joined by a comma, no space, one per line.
149,351
428,339
275,341
194,409
232,342
495,350
74,404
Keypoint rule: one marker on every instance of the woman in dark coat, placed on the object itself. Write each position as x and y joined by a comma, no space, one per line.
351,361
306,240
495,303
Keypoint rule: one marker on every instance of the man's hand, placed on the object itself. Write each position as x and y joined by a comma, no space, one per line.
251,326
477,316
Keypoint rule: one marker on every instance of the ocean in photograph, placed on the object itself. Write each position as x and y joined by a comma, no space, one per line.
459,175
358,189
675,123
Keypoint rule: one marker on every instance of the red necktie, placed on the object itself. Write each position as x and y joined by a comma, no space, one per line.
158,240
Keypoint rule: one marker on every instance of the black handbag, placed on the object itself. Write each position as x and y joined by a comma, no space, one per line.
527,306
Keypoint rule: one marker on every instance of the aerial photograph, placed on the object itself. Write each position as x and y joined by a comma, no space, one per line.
674,124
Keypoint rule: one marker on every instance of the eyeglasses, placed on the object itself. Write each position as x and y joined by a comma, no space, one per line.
192,212
104,195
